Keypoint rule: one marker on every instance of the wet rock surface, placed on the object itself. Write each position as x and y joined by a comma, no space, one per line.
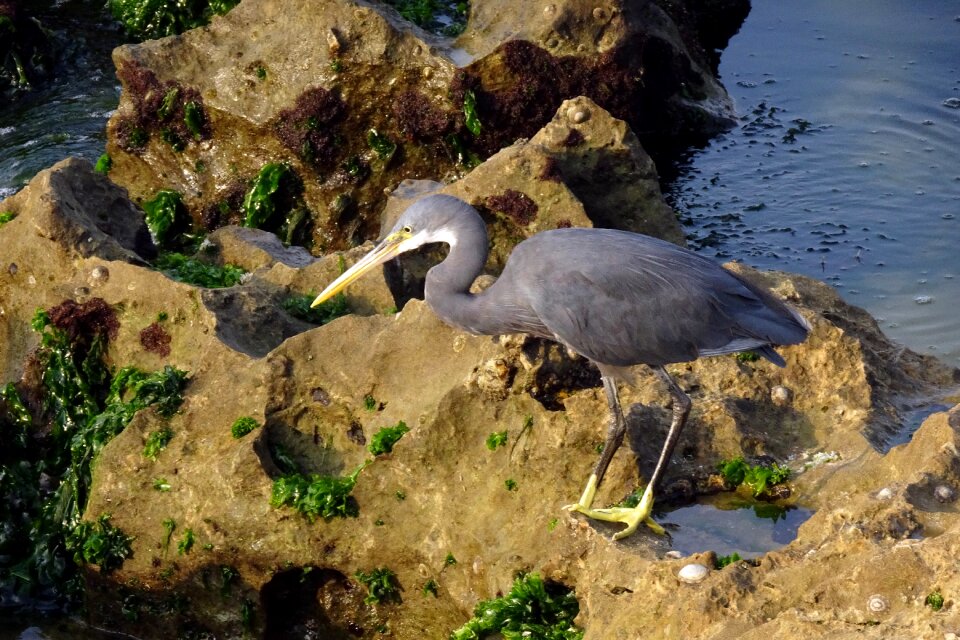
354,99
883,535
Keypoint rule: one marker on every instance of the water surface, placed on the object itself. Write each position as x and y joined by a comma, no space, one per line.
68,115
846,163
727,523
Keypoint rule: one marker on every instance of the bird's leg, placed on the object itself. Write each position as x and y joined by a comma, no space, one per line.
615,432
632,517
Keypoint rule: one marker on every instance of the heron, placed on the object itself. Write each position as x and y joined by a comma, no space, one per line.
617,298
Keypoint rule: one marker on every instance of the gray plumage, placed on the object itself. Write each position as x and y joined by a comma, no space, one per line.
615,297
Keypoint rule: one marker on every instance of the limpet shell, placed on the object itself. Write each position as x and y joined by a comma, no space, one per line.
693,573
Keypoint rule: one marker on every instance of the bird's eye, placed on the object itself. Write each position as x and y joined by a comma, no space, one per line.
407,229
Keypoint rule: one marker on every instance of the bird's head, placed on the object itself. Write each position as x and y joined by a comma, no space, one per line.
428,220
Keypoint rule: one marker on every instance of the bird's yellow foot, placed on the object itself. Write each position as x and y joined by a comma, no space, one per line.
632,517
586,498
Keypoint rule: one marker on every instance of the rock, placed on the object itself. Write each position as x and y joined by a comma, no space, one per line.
88,215
600,159
372,100
944,493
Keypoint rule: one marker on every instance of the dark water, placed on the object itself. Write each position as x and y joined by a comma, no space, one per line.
865,192
65,117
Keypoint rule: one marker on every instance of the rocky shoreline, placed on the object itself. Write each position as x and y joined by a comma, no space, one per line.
884,535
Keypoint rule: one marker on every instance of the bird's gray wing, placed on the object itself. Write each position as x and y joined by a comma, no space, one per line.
622,299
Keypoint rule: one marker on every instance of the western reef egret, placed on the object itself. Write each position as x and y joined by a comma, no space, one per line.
615,297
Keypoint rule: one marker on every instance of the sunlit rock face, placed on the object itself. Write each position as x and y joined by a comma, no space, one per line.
354,99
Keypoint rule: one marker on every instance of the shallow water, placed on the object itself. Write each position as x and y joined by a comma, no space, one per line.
727,523
865,193
68,116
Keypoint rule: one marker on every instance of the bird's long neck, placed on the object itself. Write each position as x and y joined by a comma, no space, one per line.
447,289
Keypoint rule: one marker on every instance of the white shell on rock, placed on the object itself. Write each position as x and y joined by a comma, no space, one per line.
885,494
693,573
781,395
673,554
877,603
99,275
944,493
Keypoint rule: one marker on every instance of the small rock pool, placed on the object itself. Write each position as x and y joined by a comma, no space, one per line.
728,523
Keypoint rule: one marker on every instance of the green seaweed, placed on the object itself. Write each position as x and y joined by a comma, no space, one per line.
299,307
747,356
157,441
169,103
165,215
193,118
146,19
723,561
173,139
934,600
182,268
104,164
471,119
383,146
20,421
83,407
6,216
99,543
532,609
444,17
242,426
186,542
496,440
169,524
248,610
461,154
161,484
510,484
632,499
431,588
317,495
384,439
450,560
370,403
381,584
260,203
759,478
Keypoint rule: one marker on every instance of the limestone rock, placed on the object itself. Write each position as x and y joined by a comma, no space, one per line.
355,100
89,215
600,159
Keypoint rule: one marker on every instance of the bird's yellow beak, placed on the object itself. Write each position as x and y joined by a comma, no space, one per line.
386,250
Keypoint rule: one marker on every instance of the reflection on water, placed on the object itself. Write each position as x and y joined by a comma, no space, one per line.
846,164
727,523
